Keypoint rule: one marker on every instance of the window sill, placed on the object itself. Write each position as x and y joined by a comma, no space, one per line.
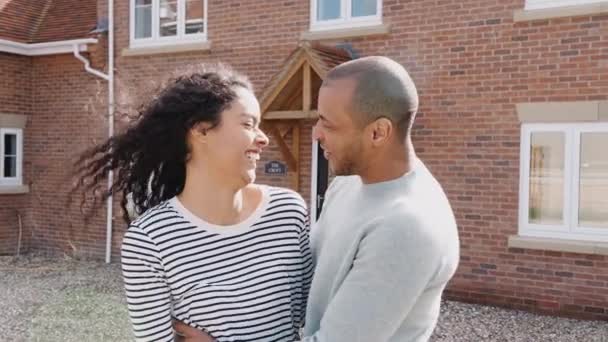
583,111
338,33
558,245
13,121
165,49
14,189
560,12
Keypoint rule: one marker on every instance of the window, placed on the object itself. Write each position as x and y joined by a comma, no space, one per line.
168,22
542,4
336,14
11,156
564,181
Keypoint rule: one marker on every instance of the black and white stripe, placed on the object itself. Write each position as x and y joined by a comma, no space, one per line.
245,284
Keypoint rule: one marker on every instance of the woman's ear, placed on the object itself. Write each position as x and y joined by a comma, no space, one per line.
199,132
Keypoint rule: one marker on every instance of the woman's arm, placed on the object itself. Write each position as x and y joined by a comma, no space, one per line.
186,333
307,267
148,294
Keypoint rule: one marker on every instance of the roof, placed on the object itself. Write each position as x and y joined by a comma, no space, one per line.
321,58
326,58
40,21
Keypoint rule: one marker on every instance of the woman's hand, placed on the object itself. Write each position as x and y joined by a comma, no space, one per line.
186,333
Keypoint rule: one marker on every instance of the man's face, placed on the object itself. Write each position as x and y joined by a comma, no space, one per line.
336,130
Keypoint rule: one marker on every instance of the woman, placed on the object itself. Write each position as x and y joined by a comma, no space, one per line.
210,248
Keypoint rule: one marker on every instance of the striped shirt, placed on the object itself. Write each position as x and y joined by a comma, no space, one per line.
246,282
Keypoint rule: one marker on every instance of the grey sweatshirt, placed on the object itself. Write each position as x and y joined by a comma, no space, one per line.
384,253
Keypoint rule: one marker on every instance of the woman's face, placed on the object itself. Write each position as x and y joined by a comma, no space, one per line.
234,146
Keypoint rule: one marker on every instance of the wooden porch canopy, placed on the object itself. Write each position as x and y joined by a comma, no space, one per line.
291,96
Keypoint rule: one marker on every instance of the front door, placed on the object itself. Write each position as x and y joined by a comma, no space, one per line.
320,180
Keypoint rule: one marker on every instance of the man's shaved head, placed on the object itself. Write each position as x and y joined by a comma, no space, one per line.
383,89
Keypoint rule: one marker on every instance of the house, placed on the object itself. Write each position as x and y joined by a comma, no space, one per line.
513,118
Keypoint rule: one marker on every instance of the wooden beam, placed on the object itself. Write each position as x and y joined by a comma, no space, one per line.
315,68
306,88
295,147
289,158
291,115
268,100
284,127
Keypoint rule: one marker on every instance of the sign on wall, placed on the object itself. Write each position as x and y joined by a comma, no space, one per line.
275,168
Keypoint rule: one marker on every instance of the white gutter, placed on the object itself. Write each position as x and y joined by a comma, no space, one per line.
42,49
110,78
87,64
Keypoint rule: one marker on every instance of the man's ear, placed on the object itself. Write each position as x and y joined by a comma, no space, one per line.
381,130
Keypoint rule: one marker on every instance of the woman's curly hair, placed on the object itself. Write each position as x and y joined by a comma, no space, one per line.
150,157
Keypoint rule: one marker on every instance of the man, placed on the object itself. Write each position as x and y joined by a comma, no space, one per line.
386,243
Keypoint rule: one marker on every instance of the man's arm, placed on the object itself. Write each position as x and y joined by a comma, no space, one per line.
393,266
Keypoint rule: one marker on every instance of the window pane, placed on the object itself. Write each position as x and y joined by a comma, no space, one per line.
10,167
143,19
10,144
195,14
593,182
546,178
328,9
362,8
168,18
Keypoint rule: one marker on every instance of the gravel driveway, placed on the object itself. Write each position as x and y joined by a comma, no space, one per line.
66,300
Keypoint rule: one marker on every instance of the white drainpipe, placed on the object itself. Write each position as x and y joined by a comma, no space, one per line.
110,78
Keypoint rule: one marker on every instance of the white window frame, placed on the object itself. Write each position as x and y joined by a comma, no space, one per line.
345,20
18,180
544,4
570,228
156,39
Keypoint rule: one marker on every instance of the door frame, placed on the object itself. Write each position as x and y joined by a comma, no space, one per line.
313,181
316,200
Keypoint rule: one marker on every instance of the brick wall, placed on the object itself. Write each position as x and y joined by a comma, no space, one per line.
15,92
471,70
471,63
68,115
